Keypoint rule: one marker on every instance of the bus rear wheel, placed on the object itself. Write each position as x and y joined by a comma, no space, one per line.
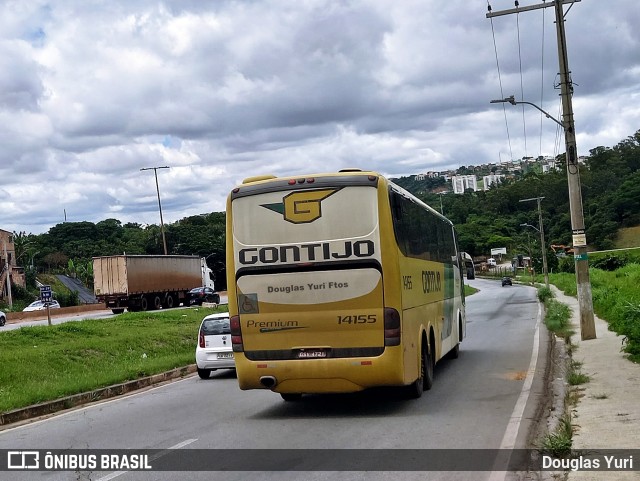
416,388
428,369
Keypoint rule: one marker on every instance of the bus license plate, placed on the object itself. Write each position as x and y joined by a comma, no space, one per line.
312,354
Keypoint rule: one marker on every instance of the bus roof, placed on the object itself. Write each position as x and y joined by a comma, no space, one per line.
348,176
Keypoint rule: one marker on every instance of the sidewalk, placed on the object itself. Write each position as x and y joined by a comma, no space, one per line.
607,415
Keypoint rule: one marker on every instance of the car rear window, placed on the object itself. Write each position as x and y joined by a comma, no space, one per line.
216,326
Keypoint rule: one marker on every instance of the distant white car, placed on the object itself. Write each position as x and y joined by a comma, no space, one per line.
3,318
40,305
213,350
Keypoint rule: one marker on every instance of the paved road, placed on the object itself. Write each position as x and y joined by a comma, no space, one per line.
477,401
85,295
59,319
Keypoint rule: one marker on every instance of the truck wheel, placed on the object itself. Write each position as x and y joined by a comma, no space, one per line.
144,304
170,302
157,302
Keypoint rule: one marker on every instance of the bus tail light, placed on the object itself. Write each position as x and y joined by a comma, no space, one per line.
391,327
236,334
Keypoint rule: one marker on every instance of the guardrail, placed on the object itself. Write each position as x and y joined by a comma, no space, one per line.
62,311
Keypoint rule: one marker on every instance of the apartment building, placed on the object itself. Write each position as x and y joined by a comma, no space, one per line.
461,183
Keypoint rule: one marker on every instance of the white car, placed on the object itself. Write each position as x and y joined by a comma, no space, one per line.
213,350
3,318
40,305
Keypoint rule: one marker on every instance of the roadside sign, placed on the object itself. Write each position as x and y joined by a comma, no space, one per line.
45,293
579,238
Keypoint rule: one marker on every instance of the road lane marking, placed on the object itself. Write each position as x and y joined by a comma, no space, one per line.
511,433
115,474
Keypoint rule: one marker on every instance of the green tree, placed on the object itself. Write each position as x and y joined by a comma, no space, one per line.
23,243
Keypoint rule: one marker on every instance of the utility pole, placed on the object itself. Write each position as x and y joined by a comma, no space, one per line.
542,242
155,171
8,268
583,283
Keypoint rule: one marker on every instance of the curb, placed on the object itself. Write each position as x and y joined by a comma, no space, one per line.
50,407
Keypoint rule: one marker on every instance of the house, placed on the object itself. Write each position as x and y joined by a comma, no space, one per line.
8,265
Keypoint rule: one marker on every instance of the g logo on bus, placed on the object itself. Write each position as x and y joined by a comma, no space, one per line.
302,207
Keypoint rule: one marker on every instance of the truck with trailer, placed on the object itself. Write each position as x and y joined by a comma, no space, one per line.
147,282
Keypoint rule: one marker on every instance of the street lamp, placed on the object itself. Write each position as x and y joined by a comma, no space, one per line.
542,243
513,101
583,283
155,171
544,254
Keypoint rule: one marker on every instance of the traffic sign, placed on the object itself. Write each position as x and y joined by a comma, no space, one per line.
45,293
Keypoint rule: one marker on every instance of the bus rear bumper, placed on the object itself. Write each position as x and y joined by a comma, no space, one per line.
321,375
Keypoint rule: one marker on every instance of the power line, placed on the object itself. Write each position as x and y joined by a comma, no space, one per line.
504,110
524,122
542,82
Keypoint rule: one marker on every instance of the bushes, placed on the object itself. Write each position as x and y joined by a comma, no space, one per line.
627,323
567,264
544,294
616,299
558,319
67,298
610,263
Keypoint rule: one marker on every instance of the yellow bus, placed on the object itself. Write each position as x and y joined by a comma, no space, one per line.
340,282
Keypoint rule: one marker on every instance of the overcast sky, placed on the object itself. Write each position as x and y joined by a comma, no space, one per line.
93,91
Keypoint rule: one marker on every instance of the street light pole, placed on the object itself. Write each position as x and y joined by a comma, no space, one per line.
542,243
155,171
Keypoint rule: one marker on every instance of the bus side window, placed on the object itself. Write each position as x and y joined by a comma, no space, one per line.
396,207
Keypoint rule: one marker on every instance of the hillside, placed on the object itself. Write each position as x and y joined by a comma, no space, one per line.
628,237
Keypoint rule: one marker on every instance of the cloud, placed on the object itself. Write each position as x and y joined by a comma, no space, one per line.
90,92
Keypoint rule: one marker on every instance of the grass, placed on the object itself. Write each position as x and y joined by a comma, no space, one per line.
558,319
628,237
558,444
574,376
468,290
42,363
616,299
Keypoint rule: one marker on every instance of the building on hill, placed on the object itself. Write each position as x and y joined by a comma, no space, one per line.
492,179
428,175
8,266
461,183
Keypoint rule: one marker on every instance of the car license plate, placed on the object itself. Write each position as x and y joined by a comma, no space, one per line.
312,354
225,355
